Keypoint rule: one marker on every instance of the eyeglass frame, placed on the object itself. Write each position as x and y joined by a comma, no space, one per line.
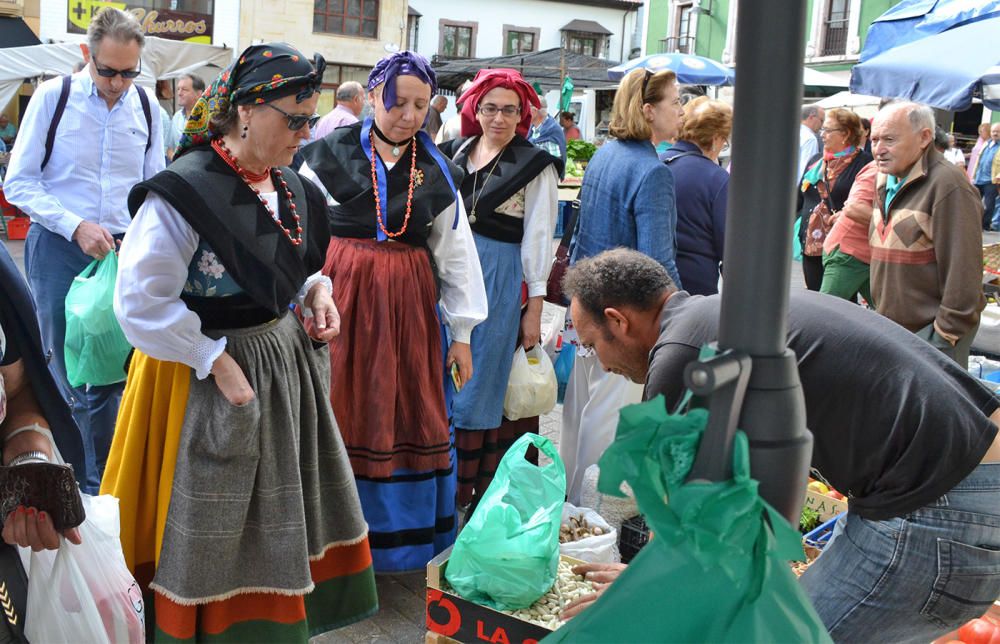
824,130
311,121
108,72
481,109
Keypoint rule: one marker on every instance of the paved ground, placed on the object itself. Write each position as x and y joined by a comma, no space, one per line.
400,619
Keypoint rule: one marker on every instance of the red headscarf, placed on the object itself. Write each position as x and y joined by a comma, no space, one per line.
488,79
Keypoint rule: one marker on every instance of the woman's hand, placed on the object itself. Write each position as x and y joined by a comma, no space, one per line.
531,323
326,318
30,528
231,380
599,574
461,353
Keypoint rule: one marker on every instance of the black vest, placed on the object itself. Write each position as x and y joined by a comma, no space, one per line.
229,216
341,165
497,181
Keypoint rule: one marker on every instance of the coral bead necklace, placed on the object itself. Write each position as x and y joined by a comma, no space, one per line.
409,195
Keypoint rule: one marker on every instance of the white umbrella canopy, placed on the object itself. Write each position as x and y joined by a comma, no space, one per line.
814,78
161,59
861,104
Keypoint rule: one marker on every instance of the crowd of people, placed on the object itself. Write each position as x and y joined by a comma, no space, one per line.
321,353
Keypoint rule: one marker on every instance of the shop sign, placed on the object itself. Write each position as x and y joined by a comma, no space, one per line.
164,23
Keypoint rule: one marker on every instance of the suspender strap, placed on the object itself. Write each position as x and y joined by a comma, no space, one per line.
144,99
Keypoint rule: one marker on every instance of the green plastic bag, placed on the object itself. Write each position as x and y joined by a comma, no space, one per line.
716,569
507,556
96,348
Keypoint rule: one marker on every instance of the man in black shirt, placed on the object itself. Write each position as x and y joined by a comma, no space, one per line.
909,436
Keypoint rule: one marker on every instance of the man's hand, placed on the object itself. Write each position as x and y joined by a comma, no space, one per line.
461,353
326,318
93,239
29,528
531,323
601,575
231,380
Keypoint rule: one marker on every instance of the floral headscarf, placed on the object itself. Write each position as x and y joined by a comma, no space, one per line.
263,73
404,63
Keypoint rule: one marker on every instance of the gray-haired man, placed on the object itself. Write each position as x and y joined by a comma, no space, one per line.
909,436
109,138
350,101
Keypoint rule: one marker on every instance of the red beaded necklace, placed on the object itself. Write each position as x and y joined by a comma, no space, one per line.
220,147
409,195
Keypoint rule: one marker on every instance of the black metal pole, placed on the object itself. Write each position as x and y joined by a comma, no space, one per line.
770,47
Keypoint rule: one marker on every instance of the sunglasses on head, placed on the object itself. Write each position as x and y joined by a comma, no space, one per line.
296,121
107,72
645,85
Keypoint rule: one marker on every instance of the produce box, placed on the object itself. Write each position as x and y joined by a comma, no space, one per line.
17,228
451,618
826,505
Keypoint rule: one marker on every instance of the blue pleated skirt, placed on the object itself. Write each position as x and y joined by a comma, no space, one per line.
480,403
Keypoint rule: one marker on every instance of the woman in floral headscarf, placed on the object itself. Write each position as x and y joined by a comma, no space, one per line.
402,261
239,512
511,194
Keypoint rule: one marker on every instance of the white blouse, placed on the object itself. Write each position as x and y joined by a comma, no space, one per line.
152,268
463,294
541,207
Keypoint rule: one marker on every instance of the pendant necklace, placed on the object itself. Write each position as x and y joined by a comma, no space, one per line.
475,182
378,197
395,144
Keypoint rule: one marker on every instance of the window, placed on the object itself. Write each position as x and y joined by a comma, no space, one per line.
347,17
520,40
412,32
457,39
685,29
584,43
835,27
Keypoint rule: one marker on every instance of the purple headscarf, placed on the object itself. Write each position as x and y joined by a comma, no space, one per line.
404,63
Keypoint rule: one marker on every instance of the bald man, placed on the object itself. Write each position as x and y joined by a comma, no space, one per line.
925,235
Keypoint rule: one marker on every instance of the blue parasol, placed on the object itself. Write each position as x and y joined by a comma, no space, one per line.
690,69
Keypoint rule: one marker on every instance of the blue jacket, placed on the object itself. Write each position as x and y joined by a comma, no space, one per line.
702,194
627,200
549,130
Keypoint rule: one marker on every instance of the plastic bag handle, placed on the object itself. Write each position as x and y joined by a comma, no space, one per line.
544,446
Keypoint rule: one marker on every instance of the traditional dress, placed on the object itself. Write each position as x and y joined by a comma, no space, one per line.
241,522
389,391
512,203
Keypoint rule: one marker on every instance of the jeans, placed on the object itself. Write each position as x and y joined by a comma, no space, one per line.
914,577
991,211
51,263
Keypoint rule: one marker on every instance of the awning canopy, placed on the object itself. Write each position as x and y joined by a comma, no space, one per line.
546,68
161,59
14,33
912,20
586,26
410,11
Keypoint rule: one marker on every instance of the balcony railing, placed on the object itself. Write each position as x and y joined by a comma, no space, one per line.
835,38
677,45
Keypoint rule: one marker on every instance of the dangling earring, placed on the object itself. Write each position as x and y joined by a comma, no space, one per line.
244,135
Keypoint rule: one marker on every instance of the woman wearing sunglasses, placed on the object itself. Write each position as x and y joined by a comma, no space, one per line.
510,193
403,262
236,491
626,200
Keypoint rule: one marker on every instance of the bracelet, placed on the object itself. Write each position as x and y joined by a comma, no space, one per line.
33,456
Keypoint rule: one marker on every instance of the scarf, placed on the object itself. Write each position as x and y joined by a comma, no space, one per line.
263,73
489,79
403,63
829,167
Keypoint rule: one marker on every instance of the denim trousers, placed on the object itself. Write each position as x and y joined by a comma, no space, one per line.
51,263
913,577
991,205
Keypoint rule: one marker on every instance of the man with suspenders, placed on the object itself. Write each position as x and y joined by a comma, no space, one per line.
85,140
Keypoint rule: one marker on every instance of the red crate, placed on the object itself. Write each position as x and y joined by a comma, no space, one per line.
17,228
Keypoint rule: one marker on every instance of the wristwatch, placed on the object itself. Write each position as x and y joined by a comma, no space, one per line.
34,456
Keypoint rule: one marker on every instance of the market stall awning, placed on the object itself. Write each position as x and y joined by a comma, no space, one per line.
15,33
587,27
547,68
912,20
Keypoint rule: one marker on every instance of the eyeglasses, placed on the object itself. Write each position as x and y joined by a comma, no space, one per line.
491,110
824,130
107,72
296,121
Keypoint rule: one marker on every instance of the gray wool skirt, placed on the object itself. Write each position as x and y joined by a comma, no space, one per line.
259,489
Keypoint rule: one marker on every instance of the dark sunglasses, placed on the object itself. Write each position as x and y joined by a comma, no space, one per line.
107,72
645,85
296,121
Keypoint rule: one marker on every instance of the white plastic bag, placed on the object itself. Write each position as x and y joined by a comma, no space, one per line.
988,336
552,332
532,388
598,549
85,593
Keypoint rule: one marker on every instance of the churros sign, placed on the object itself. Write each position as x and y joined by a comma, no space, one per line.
165,23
